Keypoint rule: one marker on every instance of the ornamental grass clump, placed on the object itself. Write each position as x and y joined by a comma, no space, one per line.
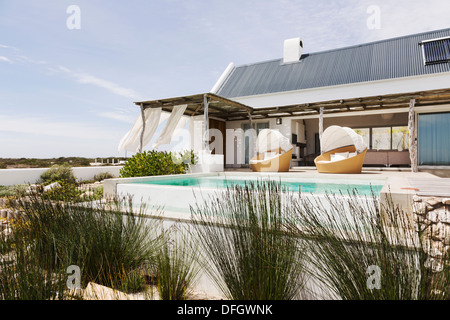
105,240
177,265
27,275
361,250
249,253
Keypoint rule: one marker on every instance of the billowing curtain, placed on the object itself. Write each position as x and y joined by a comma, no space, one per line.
131,141
434,139
172,124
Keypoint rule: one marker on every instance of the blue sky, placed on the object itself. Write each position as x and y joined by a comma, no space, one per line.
70,92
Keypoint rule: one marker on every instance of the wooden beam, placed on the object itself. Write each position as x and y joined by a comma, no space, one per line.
412,136
206,119
321,124
196,110
229,102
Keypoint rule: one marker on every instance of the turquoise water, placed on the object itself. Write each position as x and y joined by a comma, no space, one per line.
306,187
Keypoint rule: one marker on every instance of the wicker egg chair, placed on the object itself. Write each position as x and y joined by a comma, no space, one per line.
348,148
274,152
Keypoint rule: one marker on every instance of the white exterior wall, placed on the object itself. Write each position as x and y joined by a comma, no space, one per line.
9,177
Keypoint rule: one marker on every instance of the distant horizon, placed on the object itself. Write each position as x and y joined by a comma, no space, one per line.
70,71
50,158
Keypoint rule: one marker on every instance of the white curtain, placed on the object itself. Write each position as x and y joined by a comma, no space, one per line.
172,124
151,126
153,118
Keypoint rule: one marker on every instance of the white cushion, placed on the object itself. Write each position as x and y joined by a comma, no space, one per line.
342,154
352,154
270,155
337,157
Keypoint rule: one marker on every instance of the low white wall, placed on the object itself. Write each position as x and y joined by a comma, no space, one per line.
9,177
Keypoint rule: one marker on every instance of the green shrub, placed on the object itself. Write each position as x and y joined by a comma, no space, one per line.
65,192
102,176
153,163
188,157
12,191
58,173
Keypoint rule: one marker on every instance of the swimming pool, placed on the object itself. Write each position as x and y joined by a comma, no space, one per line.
315,187
176,193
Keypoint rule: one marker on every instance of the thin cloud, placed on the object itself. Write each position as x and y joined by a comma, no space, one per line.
86,78
4,46
5,59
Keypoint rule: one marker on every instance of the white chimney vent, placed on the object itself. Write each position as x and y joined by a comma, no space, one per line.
293,50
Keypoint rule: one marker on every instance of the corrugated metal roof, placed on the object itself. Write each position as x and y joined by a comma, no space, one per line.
386,59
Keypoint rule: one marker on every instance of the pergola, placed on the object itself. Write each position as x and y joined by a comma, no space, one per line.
380,102
228,110
206,104
212,105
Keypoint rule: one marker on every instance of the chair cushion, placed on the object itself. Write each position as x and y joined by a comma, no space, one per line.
337,157
343,154
270,155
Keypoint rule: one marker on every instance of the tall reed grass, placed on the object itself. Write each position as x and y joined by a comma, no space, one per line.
106,241
178,265
249,254
359,249
25,274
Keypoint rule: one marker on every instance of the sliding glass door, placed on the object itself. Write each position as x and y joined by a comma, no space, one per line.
434,138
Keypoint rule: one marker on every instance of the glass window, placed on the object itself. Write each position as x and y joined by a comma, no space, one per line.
365,134
400,138
381,138
433,139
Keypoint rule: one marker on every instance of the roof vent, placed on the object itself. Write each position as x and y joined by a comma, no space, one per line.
293,50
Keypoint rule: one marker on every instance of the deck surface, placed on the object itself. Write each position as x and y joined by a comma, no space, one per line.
438,187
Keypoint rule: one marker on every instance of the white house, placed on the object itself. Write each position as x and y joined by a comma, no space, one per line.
376,88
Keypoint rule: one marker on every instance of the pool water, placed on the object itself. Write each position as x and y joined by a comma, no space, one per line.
322,187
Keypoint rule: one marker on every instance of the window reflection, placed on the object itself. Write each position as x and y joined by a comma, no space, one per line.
385,138
381,138
400,138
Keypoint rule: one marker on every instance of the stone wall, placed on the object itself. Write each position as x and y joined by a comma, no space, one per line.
433,215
